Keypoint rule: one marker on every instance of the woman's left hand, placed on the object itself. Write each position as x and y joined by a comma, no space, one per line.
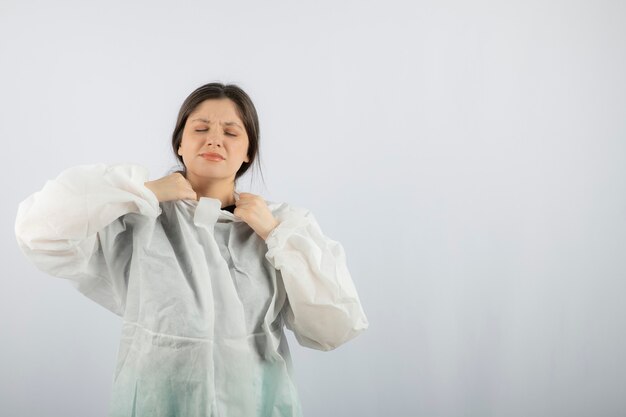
253,210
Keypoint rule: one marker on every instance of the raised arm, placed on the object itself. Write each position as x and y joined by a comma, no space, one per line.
75,227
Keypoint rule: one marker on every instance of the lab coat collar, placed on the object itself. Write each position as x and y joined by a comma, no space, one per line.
207,211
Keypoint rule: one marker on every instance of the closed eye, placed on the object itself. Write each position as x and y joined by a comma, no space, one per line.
229,134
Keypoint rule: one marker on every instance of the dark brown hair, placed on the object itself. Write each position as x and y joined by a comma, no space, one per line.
245,110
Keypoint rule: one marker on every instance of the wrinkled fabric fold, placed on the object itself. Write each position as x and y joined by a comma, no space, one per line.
203,299
324,310
73,228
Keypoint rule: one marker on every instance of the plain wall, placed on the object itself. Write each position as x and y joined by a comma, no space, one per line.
470,157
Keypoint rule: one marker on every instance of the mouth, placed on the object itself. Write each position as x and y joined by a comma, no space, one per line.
211,156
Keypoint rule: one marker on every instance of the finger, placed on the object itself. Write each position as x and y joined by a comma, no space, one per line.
251,198
247,196
243,204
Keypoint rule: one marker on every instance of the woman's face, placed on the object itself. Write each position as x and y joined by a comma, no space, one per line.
214,126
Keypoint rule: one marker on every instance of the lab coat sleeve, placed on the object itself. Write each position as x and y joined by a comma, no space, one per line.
75,228
323,308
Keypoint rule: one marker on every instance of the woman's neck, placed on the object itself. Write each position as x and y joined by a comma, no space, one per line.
219,189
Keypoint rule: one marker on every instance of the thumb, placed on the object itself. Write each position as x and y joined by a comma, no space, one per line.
191,195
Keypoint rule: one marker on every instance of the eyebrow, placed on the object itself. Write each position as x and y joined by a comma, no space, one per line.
226,123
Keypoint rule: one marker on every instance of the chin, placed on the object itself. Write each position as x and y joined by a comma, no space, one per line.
211,173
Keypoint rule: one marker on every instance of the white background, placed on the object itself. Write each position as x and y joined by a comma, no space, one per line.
470,157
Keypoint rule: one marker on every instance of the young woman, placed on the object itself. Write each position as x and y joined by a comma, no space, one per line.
203,276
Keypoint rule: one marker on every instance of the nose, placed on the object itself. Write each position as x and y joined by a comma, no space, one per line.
213,138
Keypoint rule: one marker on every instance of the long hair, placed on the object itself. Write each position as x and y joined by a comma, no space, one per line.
245,110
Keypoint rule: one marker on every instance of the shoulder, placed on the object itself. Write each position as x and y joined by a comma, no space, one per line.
283,210
128,169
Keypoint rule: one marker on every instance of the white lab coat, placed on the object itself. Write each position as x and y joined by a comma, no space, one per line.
202,297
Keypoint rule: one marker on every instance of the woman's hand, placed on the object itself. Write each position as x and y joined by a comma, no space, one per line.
253,210
172,187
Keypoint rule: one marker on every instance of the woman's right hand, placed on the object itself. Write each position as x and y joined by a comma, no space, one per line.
172,187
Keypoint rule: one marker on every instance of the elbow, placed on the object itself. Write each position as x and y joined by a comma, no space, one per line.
326,332
351,329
